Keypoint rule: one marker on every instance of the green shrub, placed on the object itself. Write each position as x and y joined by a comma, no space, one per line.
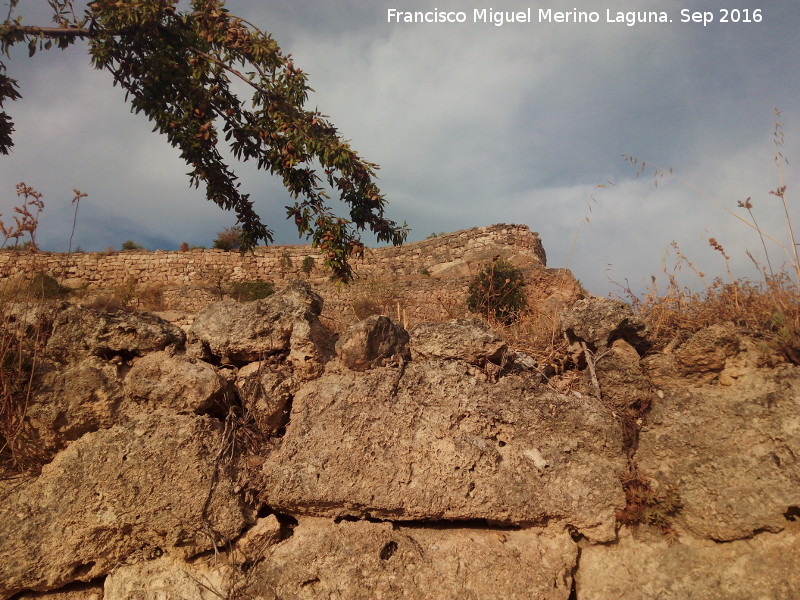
498,292
308,265
131,245
247,291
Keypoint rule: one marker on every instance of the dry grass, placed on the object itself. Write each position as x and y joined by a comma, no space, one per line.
769,309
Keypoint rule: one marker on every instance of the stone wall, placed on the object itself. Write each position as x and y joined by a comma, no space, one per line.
419,281
451,254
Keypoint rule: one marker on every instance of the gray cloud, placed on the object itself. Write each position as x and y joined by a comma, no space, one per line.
472,124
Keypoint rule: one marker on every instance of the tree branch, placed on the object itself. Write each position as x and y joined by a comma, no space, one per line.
52,32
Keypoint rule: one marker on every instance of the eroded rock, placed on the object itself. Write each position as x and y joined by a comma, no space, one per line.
362,560
169,578
80,591
645,565
731,452
440,443
68,403
126,493
81,331
372,342
470,340
704,354
284,323
265,390
599,321
177,383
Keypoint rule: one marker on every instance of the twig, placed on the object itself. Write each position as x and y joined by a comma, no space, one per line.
590,363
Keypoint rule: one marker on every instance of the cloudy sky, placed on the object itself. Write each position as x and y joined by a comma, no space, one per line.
472,124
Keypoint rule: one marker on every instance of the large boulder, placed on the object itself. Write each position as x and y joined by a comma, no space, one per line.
373,342
177,383
732,453
646,565
434,441
470,340
127,493
69,402
599,321
363,560
286,323
79,332
169,578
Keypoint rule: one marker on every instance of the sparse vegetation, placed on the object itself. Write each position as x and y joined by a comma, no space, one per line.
769,309
373,297
247,291
230,239
130,245
308,265
498,292
26,219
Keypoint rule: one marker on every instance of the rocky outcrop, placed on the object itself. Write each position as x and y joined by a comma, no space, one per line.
372,343
364,560
177,383
644,564
79,332
129,493
732,451
470,340
286,323
264,460
434,441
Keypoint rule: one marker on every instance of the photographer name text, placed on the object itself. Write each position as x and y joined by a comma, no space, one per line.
548,15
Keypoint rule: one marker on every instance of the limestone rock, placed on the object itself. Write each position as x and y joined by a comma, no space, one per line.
284,323
647,566
81,331
600,321
68,403
731,452
470,340
706,351
363,561
622,382
265,390
127,493
177,383
256,541
435,442
79,591
372,342
168,578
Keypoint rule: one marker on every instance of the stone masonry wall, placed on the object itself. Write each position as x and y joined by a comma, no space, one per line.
452,254
421,281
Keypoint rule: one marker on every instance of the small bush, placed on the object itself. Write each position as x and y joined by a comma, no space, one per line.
498,292
229,239
184,247
308,265
131,245
247,291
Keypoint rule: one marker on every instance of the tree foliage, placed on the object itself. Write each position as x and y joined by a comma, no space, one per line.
177,68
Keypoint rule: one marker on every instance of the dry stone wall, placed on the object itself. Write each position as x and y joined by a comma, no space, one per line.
449,254
419,281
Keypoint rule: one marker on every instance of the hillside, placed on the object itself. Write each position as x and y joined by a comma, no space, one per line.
290,447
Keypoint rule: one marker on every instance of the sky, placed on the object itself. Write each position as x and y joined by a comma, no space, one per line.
472,124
